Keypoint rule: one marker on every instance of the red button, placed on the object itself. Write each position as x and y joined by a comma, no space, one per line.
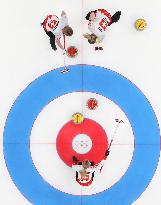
88,127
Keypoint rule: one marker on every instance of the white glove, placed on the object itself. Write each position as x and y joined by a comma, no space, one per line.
64,52
63,13
98,40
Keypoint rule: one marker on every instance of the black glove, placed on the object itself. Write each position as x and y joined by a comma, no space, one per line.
107,152
75,159
92,163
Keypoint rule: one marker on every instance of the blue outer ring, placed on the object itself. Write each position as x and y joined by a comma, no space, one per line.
104,82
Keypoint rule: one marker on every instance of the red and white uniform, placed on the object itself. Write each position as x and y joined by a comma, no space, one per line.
100,24
55,25
88,178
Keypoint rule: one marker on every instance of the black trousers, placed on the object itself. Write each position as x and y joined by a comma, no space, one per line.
52,40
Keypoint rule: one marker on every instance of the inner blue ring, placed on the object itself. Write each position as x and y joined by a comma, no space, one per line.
94,79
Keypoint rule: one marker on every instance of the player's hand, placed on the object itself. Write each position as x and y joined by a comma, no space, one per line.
107,152
63,13
64,52
98,40
75,159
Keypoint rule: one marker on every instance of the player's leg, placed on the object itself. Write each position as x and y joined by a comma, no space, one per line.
52,43
92,176
115,18
52,40
76,176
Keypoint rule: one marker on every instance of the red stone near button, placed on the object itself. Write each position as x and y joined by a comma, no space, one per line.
72,51
92,104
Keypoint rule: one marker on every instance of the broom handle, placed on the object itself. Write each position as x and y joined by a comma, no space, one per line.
64,42
110,144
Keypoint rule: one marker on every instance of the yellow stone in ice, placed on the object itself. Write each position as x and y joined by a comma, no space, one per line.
140,24
77,118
